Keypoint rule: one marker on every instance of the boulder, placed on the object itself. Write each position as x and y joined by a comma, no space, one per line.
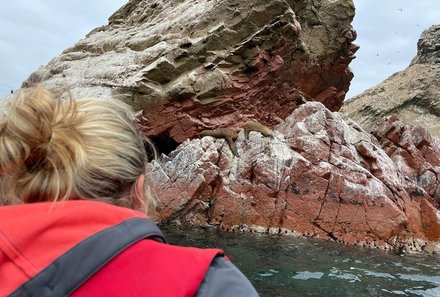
318,175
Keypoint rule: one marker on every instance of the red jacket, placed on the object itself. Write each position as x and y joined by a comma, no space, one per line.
49,248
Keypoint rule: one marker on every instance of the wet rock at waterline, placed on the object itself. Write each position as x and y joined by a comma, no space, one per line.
318,176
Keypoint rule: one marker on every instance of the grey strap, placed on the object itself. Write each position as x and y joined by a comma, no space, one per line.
73,268
223,279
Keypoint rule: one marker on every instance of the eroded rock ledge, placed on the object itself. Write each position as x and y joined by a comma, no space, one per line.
319,176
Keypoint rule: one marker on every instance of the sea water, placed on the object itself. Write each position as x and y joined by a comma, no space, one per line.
286,266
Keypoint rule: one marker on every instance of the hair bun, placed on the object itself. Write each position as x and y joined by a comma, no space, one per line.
27,129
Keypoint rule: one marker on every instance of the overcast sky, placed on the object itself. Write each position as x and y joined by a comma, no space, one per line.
33,32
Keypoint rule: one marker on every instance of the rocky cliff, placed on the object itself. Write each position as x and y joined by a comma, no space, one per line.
193,65
412,94
317,176
199,64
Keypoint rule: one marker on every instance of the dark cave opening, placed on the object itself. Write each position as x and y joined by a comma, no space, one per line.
164,144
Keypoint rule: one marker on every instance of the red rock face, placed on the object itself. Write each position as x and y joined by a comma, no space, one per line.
291,57
274,89
319,176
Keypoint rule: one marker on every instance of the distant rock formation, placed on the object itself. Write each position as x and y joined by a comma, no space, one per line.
412,94
320,176
198,65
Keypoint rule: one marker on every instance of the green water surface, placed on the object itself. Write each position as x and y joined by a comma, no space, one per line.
286,266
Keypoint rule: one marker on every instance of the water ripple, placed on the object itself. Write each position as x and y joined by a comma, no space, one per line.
305,275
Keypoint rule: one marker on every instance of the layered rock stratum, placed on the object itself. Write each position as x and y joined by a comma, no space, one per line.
199,64
412,94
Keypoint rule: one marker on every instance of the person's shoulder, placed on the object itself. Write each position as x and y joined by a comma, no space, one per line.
221,277
180,253
224,279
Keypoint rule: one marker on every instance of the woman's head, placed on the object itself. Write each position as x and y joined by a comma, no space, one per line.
53,149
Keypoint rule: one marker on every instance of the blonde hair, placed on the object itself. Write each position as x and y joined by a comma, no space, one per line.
53,149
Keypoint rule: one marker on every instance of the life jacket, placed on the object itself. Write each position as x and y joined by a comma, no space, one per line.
89,248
